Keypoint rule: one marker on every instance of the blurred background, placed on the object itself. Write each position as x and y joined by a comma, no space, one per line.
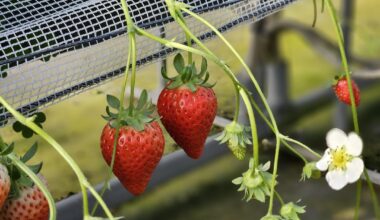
207,192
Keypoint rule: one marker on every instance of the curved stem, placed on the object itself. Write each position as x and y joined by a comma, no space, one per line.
279,198
287,145
263,116
358,199
132,38
131,47
274,176
178,17
259,91
116,137
237,55
301,145
82,179
252,121
38,182
342,50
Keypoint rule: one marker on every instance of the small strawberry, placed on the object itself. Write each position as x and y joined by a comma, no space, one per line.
187,107
5,184
139,147
31,204
342,92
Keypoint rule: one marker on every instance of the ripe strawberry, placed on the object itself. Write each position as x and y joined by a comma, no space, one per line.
31,204
188,116
137,154
187,107
342,91
139,147
5,184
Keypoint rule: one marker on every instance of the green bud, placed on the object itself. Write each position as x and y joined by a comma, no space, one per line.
310,171
290,211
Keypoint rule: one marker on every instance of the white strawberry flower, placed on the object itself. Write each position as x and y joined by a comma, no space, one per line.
342,158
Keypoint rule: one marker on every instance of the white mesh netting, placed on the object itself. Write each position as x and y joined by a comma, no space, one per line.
53,49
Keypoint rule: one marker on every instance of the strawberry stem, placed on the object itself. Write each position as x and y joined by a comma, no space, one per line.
340,36
132,38
131,58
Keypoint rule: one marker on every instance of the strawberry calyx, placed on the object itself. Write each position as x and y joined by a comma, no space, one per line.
18,178
237,137
134,116
188,75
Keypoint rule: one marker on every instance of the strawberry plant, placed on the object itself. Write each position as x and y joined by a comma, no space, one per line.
140,143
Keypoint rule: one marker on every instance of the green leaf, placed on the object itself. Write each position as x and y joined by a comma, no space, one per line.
175,84
36,168
113,102
259,195
165,74
203,67
25,181
7,150
237,181
14,173
142,100
179,63
107,118
113,115
30,153
206,78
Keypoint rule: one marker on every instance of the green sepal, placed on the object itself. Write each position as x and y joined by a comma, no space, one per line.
113,102
165,74
7,150
203,67
30,153
36,168
142,100
188,75
136,117
179,63
25,181
14,173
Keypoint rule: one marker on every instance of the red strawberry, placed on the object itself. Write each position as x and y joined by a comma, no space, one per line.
137,154
342,91
5,184
187,107
30,205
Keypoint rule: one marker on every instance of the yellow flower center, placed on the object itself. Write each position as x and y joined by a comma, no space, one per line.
340,158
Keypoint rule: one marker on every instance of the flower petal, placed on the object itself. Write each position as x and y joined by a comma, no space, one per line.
324,162
354,170
354,144
336,179
336,138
